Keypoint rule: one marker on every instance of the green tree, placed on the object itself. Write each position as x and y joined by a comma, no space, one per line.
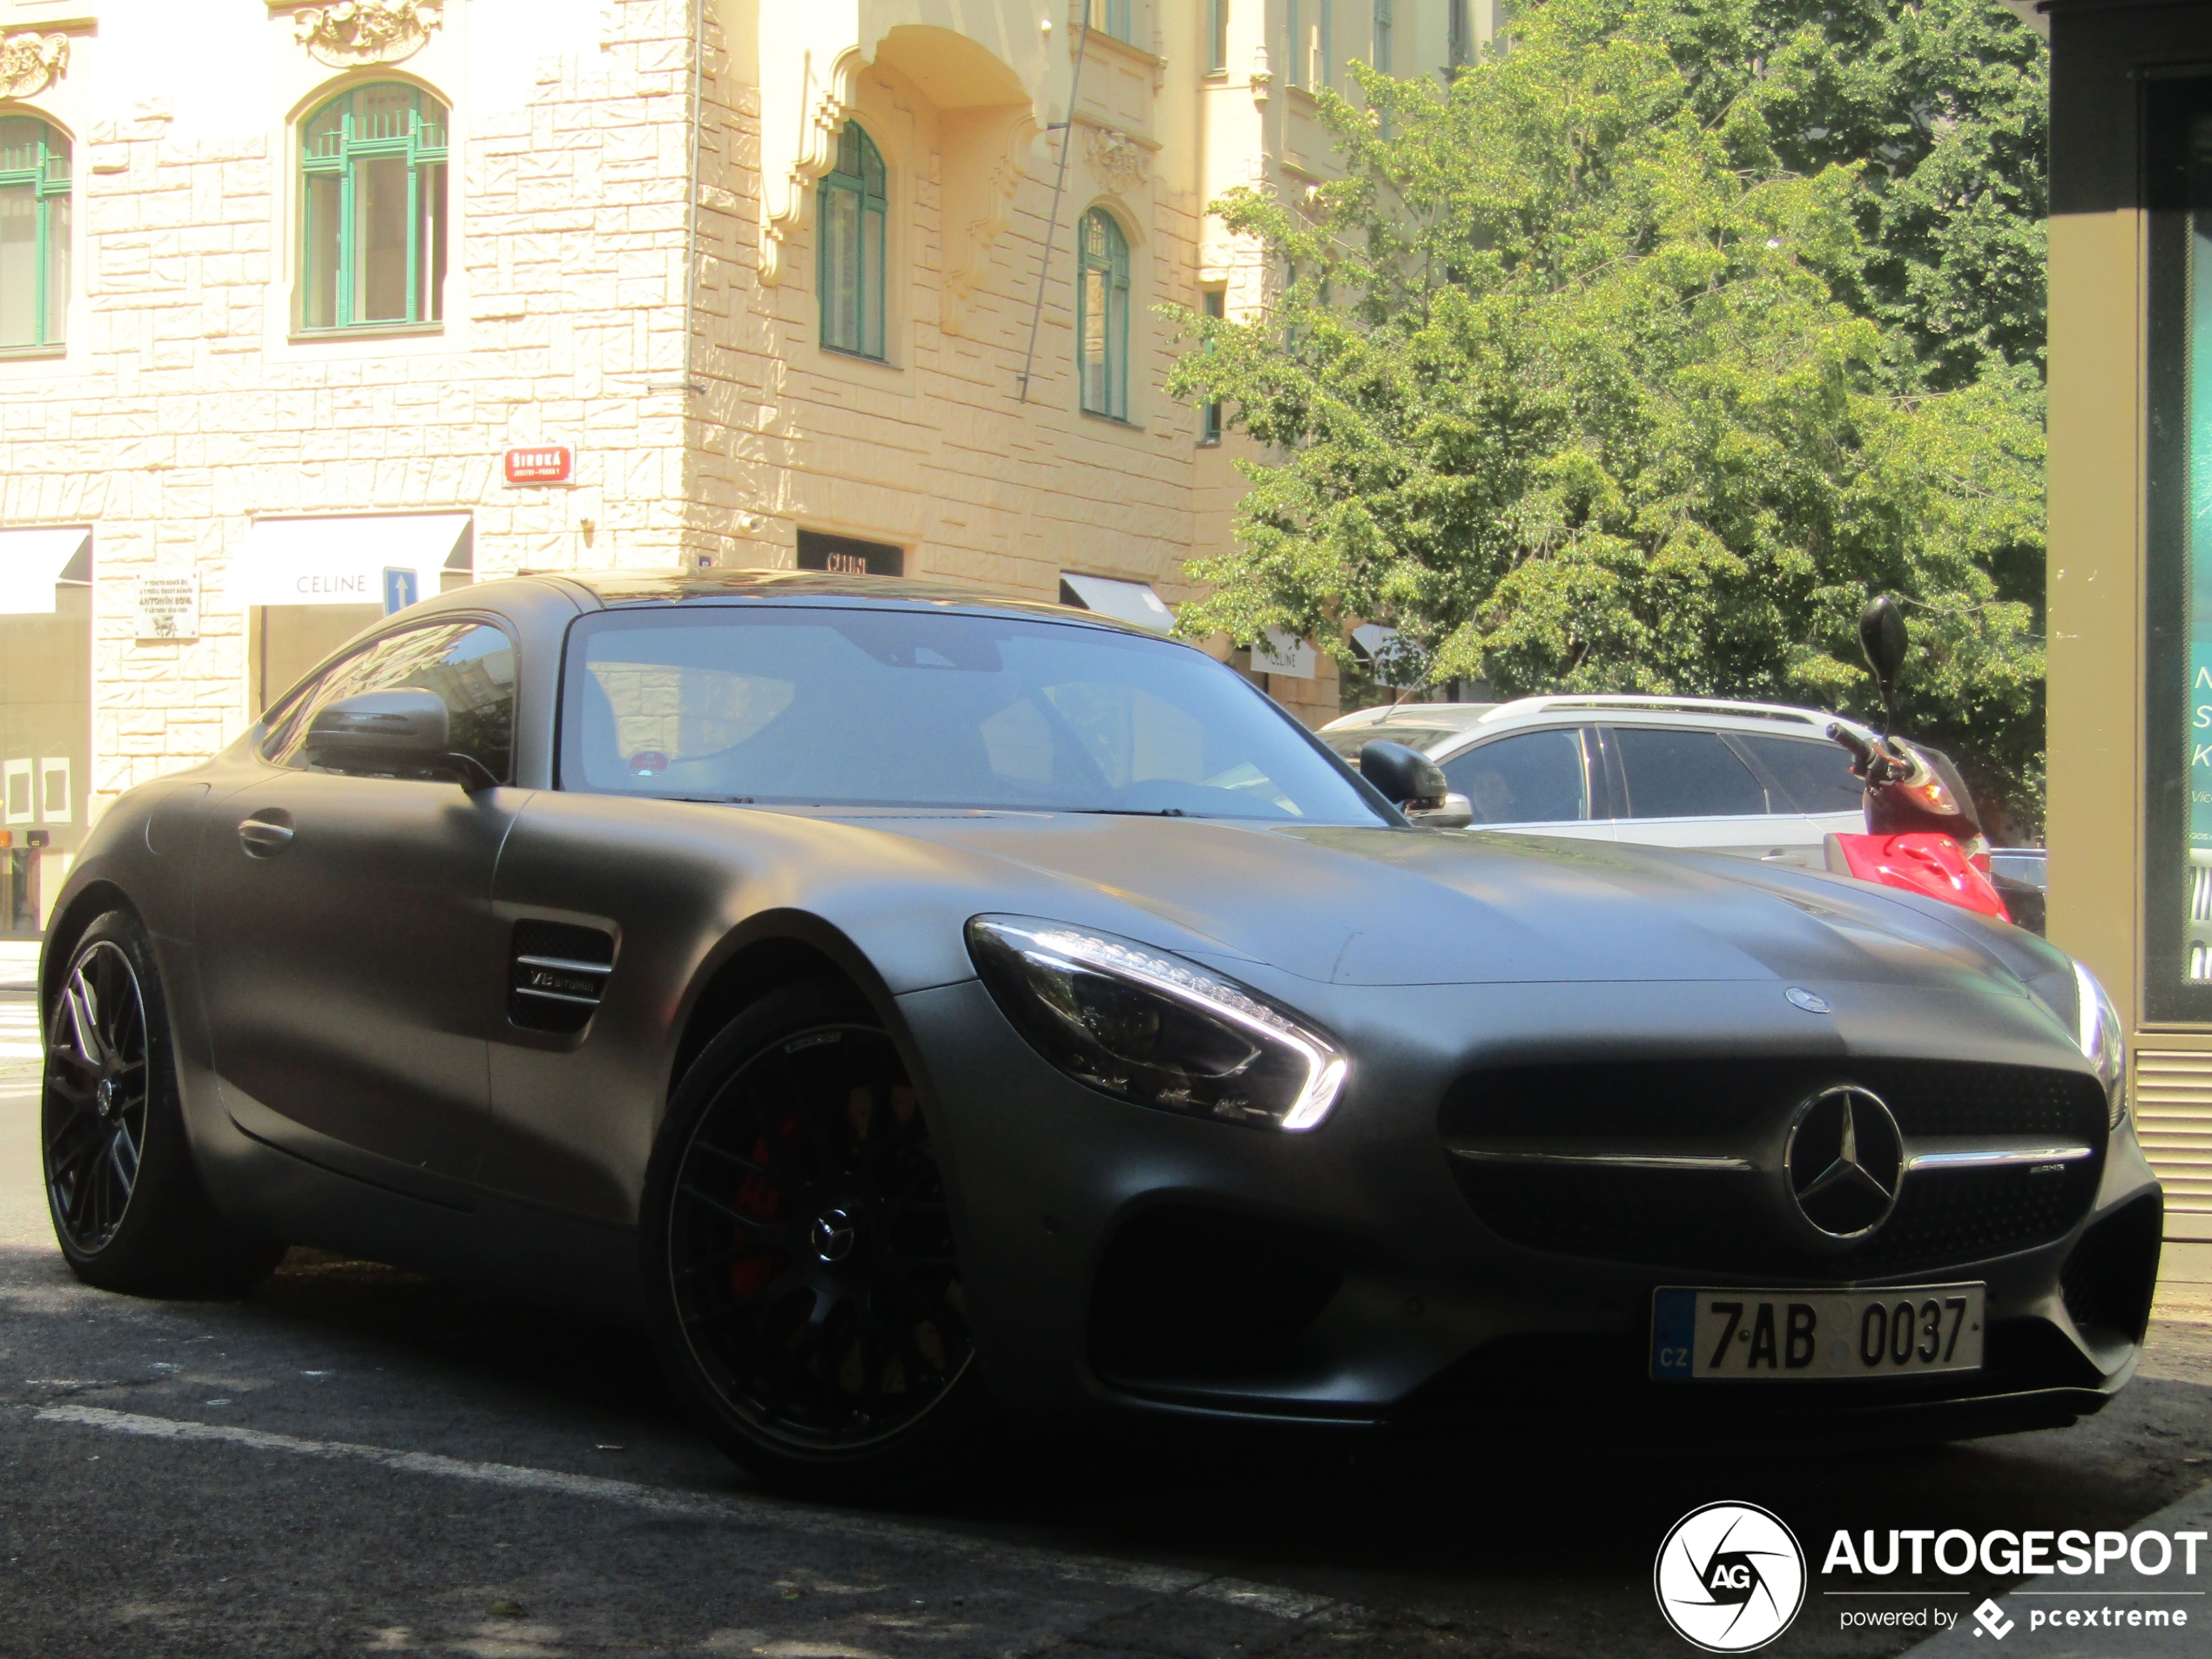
1564,381
1947,103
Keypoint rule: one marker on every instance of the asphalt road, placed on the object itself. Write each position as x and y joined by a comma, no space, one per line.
358,1460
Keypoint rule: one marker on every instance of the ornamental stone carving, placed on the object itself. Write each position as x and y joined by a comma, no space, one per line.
1120,162
353,33
30,63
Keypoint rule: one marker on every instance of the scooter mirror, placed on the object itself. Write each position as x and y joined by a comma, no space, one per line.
1881,636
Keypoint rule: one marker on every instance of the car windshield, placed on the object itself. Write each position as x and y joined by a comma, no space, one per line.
878,707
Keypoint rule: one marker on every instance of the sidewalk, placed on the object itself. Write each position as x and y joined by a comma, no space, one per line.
18,965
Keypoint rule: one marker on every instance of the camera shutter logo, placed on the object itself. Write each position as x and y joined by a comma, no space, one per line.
1729,1577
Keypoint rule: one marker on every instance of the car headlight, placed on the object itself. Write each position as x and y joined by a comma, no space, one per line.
2098,1029
1143,1026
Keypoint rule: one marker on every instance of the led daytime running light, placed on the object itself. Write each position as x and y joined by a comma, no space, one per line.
2098,1030
1065,949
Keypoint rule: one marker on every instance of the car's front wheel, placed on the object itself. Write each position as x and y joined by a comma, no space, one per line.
801,1279
128,1207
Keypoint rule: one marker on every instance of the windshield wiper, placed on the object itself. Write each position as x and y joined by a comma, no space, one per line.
1135,811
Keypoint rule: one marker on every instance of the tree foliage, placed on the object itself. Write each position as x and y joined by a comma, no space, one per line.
1598,370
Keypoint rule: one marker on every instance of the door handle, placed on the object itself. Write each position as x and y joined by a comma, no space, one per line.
265,834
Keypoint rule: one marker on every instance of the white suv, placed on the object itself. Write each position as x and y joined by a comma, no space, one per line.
1758,779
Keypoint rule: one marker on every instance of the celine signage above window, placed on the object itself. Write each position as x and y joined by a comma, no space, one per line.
544,463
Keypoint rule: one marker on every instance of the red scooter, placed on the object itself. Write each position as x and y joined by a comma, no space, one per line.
1922,835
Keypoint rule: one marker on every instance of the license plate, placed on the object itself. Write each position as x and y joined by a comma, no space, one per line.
1763,1336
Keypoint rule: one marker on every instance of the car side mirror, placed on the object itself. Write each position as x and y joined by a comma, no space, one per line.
1407,776
1882,637
407,730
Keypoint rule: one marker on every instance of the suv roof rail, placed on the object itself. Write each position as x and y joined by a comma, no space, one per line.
1778,711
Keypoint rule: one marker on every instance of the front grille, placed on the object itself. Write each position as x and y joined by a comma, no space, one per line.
1742,1221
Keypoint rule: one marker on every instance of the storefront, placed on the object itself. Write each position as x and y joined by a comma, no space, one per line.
2130,577
310,584
45,715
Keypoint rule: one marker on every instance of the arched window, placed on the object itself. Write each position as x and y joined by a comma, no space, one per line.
855,207
1101,315
373,243
33,232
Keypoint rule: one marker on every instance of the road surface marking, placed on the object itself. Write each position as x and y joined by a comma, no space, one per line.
747,1512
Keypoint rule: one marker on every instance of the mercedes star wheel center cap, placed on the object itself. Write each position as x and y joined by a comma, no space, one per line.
834,1235
1845,1161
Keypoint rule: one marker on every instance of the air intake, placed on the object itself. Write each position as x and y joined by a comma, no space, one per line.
557,974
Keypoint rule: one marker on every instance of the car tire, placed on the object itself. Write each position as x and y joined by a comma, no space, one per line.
800,1278
126,1200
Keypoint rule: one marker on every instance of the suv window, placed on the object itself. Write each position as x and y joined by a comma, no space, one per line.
1675,773
470,664
1815,774
1533,777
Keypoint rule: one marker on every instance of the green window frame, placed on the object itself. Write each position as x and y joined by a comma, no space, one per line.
1385,56
855,206
1217,306
34,233
1101,316
1216,36
373,245
1115,18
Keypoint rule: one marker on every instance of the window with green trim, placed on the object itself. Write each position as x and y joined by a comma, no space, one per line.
1385,58
373,246
1115,18
1101,315
855,206
33,232
1216,36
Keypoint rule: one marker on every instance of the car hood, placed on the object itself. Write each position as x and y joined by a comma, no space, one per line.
1395,906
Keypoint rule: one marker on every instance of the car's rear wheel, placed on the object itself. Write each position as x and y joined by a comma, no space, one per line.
801,1276
128,1207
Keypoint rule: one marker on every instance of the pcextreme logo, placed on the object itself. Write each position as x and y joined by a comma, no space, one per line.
1729,1577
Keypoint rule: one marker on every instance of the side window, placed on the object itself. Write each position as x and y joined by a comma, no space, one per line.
471,665
373,218
34,232
1536,778
1673,773
855,207
1102,314
1816,775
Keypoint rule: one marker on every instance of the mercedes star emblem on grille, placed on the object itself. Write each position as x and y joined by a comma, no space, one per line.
1845,1161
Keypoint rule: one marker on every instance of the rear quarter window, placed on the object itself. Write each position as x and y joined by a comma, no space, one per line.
1815,774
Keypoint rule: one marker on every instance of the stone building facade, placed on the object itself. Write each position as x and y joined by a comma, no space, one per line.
286,288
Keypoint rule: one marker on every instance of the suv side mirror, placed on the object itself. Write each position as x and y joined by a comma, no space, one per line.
1882,637
1407,776
407,730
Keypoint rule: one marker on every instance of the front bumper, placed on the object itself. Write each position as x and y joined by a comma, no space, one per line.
1116,1257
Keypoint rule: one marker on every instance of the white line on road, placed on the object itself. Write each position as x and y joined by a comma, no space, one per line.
19,1031
750,1512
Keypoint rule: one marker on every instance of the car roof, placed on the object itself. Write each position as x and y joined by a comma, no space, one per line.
1689,713
614,590
1456,715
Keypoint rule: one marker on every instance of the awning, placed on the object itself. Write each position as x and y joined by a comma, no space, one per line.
1130,601
342,561
1280,652
31,562
1395,665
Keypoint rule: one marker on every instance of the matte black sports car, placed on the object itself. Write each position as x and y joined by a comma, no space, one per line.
904,1001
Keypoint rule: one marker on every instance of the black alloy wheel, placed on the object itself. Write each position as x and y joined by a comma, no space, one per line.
129,1208
94,1117
812,1290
